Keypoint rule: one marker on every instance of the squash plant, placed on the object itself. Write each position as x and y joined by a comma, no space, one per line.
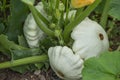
61,32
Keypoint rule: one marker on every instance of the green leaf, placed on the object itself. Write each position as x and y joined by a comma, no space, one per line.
28,2
39,65
115,9
18,54
22,41
105,67
18,14
6,45
21,69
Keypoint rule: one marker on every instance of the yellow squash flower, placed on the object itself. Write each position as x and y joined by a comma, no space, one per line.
81,3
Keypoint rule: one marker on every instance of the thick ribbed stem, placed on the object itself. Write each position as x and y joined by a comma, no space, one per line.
104,17
23,61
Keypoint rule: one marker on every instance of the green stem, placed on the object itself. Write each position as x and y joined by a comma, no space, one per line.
111,26
67,12
23,61
58,35
42,17
57,4
44,28
63,1
104,17
79,11
70,26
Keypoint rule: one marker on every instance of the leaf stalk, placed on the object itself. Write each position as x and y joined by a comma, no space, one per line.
104,17
23,61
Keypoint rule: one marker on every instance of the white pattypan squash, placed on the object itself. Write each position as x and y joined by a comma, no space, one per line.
31,30
65,63
90,39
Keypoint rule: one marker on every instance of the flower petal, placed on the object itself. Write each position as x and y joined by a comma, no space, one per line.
81,3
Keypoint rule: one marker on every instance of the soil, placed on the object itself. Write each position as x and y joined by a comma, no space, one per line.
7,74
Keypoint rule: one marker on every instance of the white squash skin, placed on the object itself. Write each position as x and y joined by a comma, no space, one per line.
62,60
87,42
32,32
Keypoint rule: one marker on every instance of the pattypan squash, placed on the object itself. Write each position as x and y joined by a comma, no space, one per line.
31,30
65,63
90,39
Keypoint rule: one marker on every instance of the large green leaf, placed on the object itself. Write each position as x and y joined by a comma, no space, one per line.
16,51
18,13
115,9
6,45
105,67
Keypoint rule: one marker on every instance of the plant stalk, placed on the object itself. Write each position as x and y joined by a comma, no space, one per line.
23,61
104,17
111,26
79,11
44,28
57,4
67,11
42,17
84,14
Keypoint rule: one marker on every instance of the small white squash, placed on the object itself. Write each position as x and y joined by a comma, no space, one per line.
31,30
65,63
90,39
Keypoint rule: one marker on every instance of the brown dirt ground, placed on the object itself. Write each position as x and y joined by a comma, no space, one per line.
7,74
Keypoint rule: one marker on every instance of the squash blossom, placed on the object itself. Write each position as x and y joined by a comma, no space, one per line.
81,3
